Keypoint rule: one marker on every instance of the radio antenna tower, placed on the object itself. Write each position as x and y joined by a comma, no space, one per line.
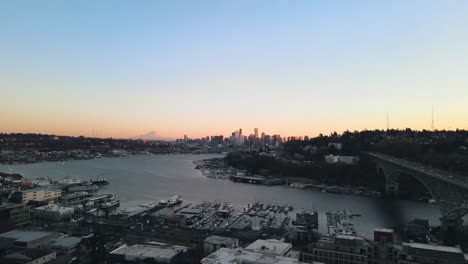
388,123
432,120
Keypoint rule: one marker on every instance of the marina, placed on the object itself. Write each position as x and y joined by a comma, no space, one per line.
162,176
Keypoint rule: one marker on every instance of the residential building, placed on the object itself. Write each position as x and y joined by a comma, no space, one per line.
13,216
42,194
342,249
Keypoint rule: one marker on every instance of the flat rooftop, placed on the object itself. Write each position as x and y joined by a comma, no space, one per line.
434,247
25,236
270,246
383,230
158,251
219,240
225,255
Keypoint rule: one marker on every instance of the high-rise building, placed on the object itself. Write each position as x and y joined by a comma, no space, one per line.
256,132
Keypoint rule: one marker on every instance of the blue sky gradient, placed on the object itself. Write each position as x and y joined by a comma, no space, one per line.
209,67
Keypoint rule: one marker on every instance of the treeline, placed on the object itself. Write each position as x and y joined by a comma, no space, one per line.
361,174
447,150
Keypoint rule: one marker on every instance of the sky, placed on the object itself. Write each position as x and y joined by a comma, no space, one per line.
125,68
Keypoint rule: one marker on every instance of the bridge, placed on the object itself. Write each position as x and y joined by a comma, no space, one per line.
449,190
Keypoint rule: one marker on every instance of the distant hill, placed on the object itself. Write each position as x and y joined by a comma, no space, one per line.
152,135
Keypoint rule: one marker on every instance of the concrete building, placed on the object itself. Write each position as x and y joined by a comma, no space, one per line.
340,249
413,253
158,252
213,243
29,239
270,247
13,216
42,194
28,256
241,256
53,212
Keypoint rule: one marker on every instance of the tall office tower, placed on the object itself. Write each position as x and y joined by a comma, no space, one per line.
256,132
240,131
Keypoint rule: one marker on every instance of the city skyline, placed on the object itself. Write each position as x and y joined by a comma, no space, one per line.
123,70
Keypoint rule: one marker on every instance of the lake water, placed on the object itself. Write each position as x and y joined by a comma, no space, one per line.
139,179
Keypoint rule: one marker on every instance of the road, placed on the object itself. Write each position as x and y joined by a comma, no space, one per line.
445,176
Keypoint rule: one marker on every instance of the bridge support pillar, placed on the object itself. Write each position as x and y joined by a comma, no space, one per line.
391,188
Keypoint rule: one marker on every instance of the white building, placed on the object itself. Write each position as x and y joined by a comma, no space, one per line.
242,256
53,212
159,252
349,160
270,247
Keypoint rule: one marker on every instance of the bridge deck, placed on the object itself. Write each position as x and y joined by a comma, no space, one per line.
445,176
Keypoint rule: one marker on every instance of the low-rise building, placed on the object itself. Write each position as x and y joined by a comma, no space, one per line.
348,160
53,212
157,252
65,245
340,249
13,216
28,239
419,253
270,247
28,256
42,194
213,243
242,256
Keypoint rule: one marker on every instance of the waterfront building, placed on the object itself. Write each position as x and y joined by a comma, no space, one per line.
213,243
74,199
418,253
42,194
153,251
242,256
28,239
53,212
340,249
13,216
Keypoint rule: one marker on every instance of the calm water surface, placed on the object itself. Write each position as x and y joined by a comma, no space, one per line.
139,179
